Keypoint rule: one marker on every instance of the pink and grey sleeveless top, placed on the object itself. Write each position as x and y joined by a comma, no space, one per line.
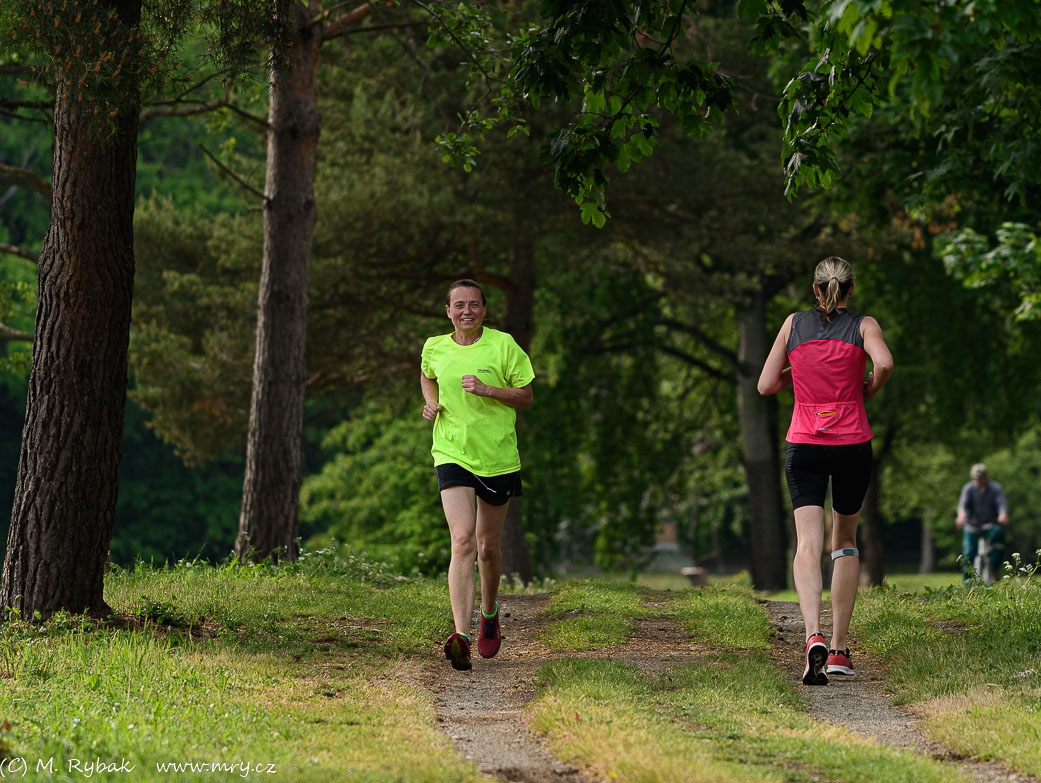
828,361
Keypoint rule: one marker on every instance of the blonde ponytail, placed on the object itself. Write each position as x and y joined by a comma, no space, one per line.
833,277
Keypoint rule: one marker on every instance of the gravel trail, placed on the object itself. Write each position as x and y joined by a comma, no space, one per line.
861,703
483,710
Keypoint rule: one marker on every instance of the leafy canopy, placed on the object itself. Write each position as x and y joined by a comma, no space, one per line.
619,65
110,56
962,74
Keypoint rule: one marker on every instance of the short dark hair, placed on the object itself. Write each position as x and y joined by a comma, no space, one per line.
463,284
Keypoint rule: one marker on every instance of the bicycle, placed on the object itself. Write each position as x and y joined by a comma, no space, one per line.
982,561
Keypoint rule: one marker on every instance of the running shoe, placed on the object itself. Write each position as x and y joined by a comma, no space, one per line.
816,658
457,650
489,638
839,662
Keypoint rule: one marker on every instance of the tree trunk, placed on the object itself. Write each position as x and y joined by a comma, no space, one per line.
872,560
927,563
270,498
873,570
518,321
758,420
68,468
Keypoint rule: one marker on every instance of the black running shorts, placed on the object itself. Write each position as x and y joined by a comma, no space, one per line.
808,466
493,490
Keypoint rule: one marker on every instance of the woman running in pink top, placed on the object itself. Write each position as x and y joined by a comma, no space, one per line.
829,438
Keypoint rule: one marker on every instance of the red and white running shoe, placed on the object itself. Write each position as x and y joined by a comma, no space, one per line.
816,660
839,662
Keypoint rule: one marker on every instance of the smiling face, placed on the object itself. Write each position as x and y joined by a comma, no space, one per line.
466,309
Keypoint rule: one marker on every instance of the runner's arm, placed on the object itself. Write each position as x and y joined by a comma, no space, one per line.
963,503
776,375
881,358
515,398
1002,508
430,397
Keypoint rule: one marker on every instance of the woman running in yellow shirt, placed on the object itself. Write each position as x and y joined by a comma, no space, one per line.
472,379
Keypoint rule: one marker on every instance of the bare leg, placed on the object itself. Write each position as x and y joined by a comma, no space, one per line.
458,503
845,577
809,530
490,520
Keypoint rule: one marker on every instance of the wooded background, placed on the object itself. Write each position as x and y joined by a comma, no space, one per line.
643,188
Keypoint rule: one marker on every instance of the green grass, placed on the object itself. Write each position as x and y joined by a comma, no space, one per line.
729,718
593,613
310,668
301,670
723,616
906,583
943,644
920,583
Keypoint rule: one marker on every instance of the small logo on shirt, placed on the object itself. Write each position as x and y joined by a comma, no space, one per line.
483,370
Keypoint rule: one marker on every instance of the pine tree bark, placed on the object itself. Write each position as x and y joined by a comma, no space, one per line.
68,468
767,534
269,520
518,321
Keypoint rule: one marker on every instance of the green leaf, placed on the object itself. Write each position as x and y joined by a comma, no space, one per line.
751,9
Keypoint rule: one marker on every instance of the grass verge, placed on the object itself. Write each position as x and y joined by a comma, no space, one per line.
296,670
723,616
967,661
728,718
591,614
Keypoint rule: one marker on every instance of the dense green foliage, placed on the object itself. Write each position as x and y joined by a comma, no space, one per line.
634,326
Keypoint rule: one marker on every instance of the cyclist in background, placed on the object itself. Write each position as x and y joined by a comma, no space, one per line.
982,510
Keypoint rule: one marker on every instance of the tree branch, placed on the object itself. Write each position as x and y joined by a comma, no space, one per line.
377,28
23,178
14,69
234,175
695,362
338,26
5,112
7,334
181,108
21,252
488,79
701,337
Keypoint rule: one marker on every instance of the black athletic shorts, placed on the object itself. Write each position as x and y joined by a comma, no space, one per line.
808,466
493,490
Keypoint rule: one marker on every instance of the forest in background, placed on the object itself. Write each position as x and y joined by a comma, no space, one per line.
635,329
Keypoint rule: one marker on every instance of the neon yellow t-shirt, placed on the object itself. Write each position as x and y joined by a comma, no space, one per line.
477,433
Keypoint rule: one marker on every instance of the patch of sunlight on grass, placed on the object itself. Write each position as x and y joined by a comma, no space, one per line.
727,718
919,583
148,699
259,610
724,616
593,613
663,580
989,724
950,641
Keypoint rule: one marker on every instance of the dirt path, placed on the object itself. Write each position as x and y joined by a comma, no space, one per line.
861,704
482,711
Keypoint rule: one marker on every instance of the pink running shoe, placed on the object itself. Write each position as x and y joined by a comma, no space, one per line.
457,650
489,638
839,662
816,658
